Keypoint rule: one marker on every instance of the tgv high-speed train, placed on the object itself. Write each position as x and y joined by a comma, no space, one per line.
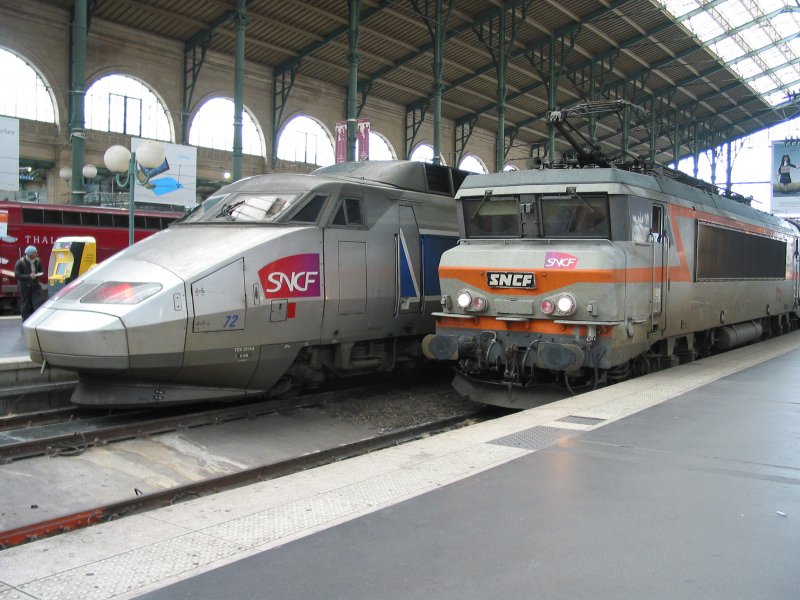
580,276
277,281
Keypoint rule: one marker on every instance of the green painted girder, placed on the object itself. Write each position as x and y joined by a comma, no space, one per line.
725,130
482,18
294,62
586,63
699,10
667,90
417,112
772,70
462,132
612,51
204,36
744,26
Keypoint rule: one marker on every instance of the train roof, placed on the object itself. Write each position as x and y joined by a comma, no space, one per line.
672,183
402,174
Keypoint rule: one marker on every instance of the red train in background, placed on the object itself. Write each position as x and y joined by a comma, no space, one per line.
23,224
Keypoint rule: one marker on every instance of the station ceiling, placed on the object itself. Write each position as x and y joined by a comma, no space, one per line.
630,49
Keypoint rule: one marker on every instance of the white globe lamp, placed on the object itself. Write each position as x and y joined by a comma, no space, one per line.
117,159
150,154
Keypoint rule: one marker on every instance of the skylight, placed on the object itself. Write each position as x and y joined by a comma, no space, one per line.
757,39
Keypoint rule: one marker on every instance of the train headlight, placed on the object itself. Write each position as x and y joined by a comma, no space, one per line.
566,305
478,304
548,307
121,292
466,301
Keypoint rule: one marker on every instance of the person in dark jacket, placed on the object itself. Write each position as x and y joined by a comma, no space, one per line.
27,271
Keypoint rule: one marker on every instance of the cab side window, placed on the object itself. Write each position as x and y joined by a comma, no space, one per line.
657,224
310,212
349,213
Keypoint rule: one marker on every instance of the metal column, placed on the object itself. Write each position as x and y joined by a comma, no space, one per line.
77,132
352,89
238,89
551,99
438,48
502,71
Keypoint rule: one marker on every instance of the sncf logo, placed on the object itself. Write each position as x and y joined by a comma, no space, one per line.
560,260
296,276
511,280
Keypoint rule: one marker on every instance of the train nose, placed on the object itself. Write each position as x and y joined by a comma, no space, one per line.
74,339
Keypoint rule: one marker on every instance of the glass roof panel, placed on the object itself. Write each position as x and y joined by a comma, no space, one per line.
763,84
747,68
704,26
728,48
759,39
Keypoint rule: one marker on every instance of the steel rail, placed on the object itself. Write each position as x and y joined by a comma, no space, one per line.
137,504
87,433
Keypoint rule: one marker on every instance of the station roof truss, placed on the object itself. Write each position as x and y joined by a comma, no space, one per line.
704,71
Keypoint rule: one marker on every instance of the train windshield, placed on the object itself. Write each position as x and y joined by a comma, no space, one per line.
575,215
569,215
491,216
201,210
246,208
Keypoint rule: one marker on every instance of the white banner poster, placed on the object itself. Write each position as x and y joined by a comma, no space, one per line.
175,181
785,178
9,154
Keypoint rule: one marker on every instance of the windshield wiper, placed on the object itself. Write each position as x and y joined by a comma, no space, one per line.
486,195
228,210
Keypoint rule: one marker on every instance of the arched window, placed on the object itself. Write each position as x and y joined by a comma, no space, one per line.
424,153
24,94
212,127
379,147
473,164
304,140
125,105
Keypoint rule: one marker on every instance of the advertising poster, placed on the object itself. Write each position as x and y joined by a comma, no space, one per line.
175,181
9,154
362,140
785,177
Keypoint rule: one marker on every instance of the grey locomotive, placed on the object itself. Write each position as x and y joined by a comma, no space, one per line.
276,281
584,276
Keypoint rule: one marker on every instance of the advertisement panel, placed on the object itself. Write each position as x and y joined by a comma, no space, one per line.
785,177
175,181
362,140
9,154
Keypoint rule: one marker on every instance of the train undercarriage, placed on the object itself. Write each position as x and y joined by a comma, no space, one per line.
516,376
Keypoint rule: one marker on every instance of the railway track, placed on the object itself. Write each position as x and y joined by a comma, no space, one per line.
262,472
71,431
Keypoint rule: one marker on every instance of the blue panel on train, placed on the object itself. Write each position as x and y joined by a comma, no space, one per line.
433,246
408,287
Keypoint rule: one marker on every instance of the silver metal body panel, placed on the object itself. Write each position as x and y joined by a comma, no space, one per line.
637,292
242,302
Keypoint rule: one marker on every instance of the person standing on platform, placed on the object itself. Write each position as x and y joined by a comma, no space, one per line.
27,271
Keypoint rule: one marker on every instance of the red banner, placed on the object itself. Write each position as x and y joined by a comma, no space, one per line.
362,140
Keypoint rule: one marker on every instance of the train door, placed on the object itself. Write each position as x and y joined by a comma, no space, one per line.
408,263
660,264
345,264
217,329
796,269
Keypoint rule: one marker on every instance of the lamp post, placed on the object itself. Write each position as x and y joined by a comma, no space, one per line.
89,171
119,160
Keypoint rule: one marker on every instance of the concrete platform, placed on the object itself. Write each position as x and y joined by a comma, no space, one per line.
24,385
681,484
